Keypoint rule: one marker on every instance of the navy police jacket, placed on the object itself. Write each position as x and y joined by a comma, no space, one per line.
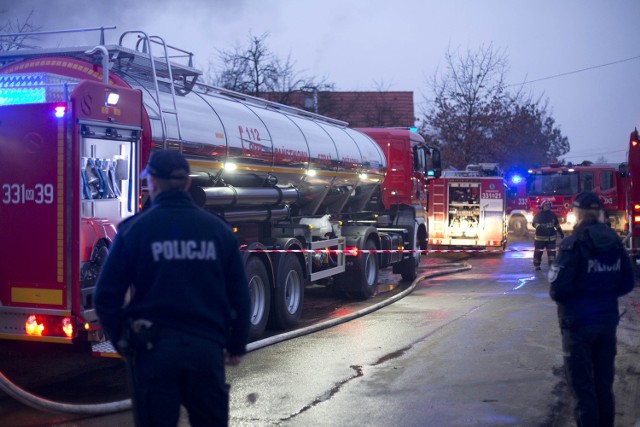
184,270
590,273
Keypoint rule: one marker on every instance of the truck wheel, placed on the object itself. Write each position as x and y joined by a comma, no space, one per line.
408,268
286,304
519,226
260,296
367,274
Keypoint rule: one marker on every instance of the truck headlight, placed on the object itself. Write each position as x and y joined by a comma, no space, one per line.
571,218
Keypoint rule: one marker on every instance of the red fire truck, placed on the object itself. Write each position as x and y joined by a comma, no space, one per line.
632,239
562,183
467,208
518,214
310,199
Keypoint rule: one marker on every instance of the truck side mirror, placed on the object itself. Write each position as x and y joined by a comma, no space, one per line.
436,169
623,169
416,158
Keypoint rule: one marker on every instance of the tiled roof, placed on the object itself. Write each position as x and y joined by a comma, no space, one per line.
359,109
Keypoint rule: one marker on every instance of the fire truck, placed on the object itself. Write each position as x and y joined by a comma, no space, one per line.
562,183
310,199
467,208
519,216
632,239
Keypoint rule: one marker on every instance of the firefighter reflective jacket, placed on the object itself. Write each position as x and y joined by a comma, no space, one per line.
546,225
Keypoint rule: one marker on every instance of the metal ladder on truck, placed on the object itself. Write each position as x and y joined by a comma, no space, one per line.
162,69
138,61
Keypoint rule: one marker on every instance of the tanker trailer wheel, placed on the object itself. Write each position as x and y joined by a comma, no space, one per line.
286,304
260,296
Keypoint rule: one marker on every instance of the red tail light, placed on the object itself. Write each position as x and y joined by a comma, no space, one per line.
50,326
33,327
351,251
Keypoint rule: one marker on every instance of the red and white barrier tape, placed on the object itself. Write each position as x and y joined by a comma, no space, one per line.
381,251
392,251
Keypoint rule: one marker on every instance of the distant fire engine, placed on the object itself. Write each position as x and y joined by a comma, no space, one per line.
467,208
310,199
519,215
562,183
632,239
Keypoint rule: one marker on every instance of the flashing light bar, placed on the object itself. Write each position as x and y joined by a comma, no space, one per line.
16,89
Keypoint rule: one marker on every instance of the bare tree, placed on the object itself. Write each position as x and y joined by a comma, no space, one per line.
255,70
19,28
601,160
473,117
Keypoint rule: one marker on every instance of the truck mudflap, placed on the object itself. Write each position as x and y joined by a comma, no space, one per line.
104,349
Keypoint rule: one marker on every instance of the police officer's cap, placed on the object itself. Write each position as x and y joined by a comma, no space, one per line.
587,200
166,164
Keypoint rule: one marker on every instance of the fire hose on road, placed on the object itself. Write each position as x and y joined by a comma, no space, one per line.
37,402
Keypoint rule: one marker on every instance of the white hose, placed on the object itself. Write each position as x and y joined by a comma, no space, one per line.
333,322
46,405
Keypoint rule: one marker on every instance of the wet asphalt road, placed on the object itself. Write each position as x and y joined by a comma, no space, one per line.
481,347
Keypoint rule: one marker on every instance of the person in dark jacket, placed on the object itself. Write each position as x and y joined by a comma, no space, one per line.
547,229
591,272
174,298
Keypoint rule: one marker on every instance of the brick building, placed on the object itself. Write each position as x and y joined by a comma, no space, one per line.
359,109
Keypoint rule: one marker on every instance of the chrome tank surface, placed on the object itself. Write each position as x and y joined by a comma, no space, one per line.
229,135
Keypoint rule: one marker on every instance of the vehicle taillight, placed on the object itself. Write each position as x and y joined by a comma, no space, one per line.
67,327
633,139
351,251
33,327
49,326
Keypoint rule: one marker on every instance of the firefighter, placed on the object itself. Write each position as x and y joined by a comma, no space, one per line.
188,313
547,229
591,272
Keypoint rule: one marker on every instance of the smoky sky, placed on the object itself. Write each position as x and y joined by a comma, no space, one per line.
400,44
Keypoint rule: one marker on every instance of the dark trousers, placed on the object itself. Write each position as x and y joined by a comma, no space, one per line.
181,370
539,246
589,355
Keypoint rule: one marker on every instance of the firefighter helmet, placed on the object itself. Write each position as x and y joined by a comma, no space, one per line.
545,202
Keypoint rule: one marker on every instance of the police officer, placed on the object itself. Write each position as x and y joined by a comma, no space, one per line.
546,225
591,272
173,289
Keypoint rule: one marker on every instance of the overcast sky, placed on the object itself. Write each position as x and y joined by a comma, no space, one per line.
399,44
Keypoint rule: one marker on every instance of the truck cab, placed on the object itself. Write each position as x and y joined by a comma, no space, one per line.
562,183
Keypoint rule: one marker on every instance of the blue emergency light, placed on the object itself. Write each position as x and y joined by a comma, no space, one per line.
16,89
516,179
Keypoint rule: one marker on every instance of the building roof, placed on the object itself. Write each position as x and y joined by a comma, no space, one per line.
359,109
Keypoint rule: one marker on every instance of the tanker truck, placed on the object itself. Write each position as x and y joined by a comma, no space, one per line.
309,199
